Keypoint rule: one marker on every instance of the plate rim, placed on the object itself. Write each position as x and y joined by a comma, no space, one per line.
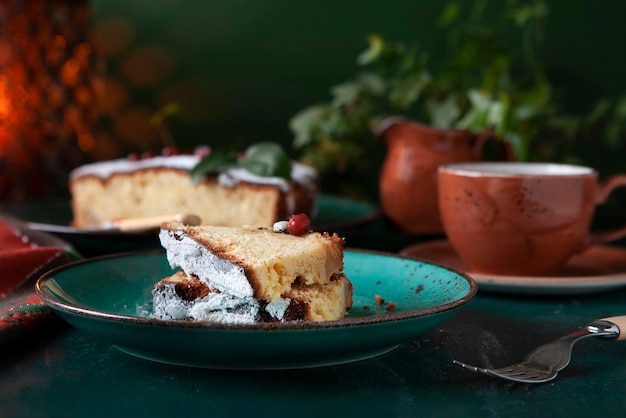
525,284
266,326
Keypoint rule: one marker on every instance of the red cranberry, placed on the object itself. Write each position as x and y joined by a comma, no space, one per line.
148,154
133,156
299,224
170,150
202,151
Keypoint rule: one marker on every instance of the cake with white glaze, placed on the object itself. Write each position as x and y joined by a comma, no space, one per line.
162,185
248,275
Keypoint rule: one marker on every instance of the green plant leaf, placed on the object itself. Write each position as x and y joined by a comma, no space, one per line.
443,113
523,14
304,124
599,110
345,93
477,117
213,163
407,91
267,159
449,15
615,128
371,83
371,54
499,113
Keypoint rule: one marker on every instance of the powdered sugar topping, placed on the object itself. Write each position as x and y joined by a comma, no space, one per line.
105,169
300,173
196,259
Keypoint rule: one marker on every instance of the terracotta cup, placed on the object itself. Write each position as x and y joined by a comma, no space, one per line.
521,218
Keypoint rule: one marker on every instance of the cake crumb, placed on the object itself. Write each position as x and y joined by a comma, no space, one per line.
380,302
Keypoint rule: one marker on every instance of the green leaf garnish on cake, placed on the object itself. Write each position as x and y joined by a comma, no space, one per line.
267,159
264,159
214,163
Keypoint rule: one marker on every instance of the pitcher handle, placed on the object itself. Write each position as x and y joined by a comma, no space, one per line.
604,191
508,153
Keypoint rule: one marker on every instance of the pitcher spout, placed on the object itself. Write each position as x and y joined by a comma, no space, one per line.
381,126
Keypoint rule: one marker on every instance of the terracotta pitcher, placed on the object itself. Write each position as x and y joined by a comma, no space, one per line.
408,180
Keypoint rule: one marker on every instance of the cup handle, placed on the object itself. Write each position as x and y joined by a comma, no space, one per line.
508,153
604,191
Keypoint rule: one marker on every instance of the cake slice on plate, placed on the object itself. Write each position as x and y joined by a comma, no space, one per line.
230,195
244,274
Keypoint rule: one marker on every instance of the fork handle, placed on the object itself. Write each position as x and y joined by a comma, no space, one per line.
620,323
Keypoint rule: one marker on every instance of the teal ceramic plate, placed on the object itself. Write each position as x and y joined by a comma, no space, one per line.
110,298
335,214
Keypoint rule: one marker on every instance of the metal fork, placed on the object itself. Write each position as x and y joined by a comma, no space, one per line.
544,363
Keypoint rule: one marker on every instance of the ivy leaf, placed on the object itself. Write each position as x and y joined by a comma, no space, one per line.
444,113
376,46
305,123
449,15
407,91
345,93
267,159
213,163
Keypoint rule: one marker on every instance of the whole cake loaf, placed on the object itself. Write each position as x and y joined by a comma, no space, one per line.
249,275
162,185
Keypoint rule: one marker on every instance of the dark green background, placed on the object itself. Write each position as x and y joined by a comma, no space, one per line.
262,61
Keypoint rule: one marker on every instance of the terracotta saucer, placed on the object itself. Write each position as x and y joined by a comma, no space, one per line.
599,268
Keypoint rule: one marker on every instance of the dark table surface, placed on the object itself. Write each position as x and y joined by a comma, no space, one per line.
69,373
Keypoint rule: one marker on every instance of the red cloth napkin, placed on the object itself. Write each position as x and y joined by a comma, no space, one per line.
21,263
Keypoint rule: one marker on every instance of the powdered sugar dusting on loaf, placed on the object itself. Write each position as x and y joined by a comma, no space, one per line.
196,259
234,176
304,174
300,173
105,169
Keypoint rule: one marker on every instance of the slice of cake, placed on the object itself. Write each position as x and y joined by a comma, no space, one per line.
162,185
246,275
181,297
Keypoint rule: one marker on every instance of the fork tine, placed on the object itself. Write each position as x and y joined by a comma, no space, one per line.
521,373
540,378
523,377
516,373
515,370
